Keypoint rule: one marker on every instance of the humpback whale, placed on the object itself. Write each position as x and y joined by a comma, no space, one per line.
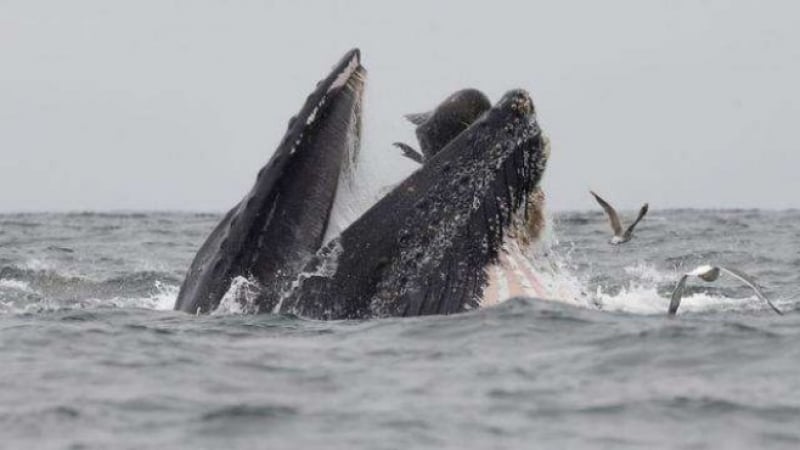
424,248
268,236
620,237
709,274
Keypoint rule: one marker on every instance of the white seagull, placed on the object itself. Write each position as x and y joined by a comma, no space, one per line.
620,237
711,273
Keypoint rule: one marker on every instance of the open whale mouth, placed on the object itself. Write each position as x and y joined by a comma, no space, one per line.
425,247
422,249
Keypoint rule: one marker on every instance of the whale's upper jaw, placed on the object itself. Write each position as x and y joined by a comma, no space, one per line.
284,217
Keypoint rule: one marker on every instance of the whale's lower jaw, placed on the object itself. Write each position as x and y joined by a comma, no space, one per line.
282,221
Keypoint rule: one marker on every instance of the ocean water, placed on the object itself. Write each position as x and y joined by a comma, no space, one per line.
92,356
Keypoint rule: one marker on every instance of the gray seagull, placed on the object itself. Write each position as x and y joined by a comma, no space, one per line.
620,237
711,273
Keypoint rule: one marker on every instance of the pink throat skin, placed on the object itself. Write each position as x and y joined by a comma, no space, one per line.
512,276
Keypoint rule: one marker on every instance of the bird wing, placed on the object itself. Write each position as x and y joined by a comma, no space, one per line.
677,294
612,214
409,152
642,213
746,279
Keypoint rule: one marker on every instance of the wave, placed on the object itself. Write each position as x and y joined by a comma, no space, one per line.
585,272
25,290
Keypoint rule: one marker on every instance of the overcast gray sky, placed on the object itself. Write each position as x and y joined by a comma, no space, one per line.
176,104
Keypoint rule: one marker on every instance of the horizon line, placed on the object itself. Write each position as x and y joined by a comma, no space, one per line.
133,211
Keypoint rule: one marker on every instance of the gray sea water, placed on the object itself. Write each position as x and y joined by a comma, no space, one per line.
91,355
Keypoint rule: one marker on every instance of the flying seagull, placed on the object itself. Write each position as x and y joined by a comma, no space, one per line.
620,237
711,273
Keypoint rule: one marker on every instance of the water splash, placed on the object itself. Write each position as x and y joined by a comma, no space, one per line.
642,293
648,272
240,298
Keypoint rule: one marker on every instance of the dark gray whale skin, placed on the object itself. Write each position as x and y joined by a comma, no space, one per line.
281,222
436,128
424,248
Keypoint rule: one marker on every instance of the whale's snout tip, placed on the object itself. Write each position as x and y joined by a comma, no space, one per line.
520,102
